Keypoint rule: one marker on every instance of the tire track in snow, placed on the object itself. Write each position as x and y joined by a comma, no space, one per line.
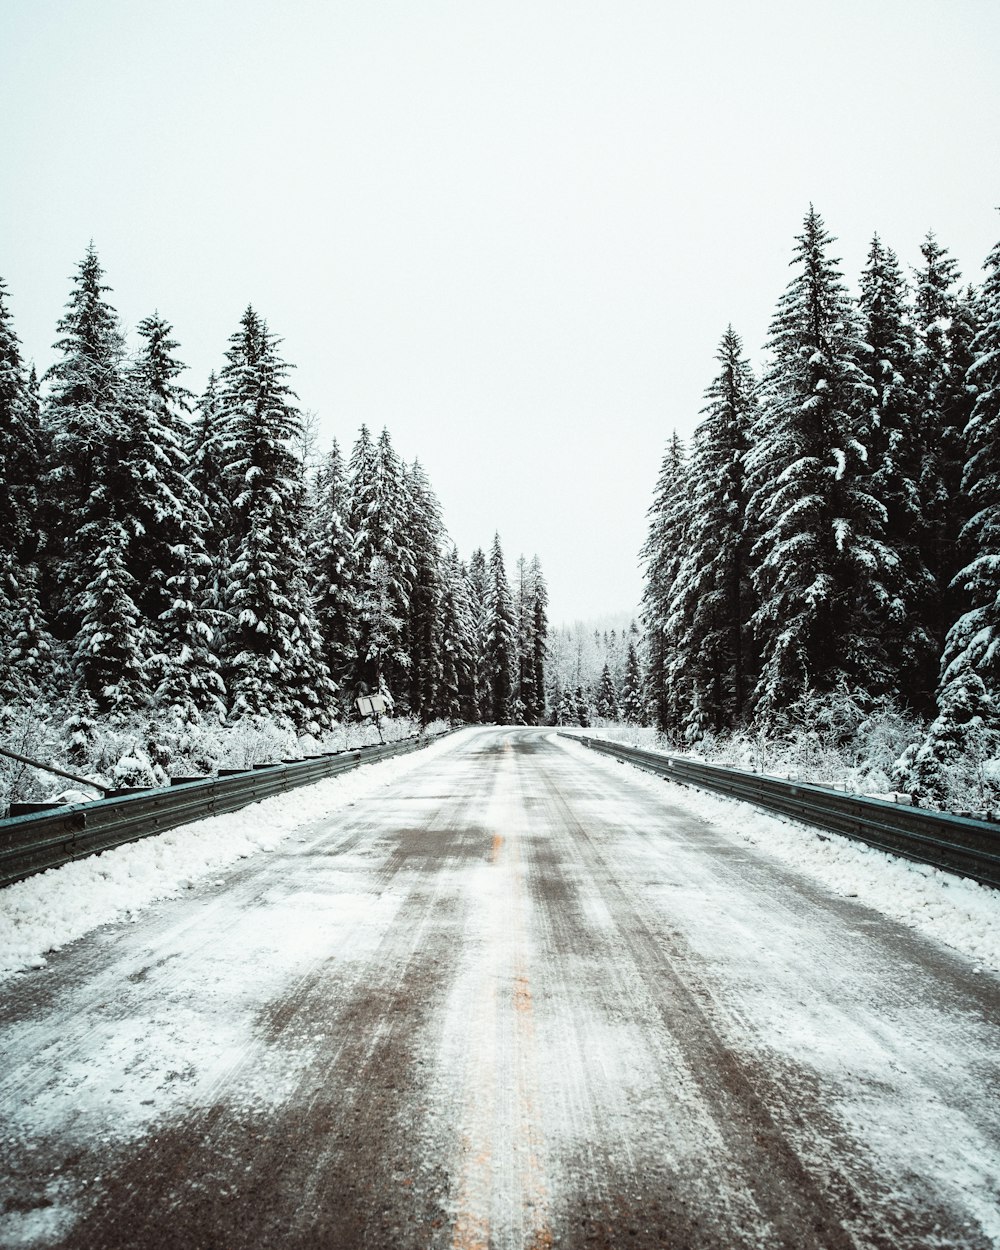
517,1001
801,1154
502,1189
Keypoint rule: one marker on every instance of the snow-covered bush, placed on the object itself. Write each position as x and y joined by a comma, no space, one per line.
862,745
25,729
140,749
957,764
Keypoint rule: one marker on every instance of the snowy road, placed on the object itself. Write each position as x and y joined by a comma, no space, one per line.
511,1000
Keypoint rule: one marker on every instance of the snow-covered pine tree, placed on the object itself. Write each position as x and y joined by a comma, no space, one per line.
820,562
378,519
456,696
943,329
525,697
207,459
30,663
892,435
185,671
662,553
973,642
581,706
160,369
332,568
110,649
20,469
84,425
477,581
564,705
21,452
500,638
606,705
633,692
961,743
160,506
272,657
424,539
712,599
535,709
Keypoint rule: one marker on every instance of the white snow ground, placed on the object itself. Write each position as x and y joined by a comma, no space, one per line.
954,910
47,911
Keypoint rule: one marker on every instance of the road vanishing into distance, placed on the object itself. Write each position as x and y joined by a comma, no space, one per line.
517,998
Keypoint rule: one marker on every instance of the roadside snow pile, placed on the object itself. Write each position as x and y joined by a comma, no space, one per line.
47,911
956,911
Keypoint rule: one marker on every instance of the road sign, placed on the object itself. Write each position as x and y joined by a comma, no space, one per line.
371,705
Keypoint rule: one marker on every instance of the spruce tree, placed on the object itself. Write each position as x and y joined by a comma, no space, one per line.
159,504
963,738
424,540
973,642
662,553
87,435
273,661
607,696
633,696
477,582
159,369
891,434
185,672
500,638
525,696
456,696
378,518
581,707
20,470
20,447
943,329
110,649
332,568
538,609
30,664
820,562
712,599
207,459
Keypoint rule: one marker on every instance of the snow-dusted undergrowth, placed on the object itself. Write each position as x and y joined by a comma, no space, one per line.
960,913
47,911
143,750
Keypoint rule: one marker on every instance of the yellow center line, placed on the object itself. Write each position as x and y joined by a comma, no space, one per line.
508,1014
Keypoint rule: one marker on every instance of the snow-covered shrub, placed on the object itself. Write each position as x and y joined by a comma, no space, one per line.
135,768
26,729
956,765
253,740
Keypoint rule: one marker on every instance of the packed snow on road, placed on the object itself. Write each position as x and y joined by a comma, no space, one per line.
500,993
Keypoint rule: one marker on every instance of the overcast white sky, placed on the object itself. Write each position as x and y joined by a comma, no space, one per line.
512,230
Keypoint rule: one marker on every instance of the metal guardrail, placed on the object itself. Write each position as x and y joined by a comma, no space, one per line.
30,844
957,844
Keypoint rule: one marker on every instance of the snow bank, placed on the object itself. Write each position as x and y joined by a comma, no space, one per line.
958,912
49,910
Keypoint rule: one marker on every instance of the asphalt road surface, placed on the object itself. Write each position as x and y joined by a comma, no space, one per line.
515,999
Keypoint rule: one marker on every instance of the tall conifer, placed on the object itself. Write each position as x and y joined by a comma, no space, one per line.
821,561
500,638
378,520
712,599
666,543
273,657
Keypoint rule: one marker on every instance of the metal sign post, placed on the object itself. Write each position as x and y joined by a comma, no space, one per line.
372,705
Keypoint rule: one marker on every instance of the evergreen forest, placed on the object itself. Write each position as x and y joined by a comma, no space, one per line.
174,568
191,580
824,556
